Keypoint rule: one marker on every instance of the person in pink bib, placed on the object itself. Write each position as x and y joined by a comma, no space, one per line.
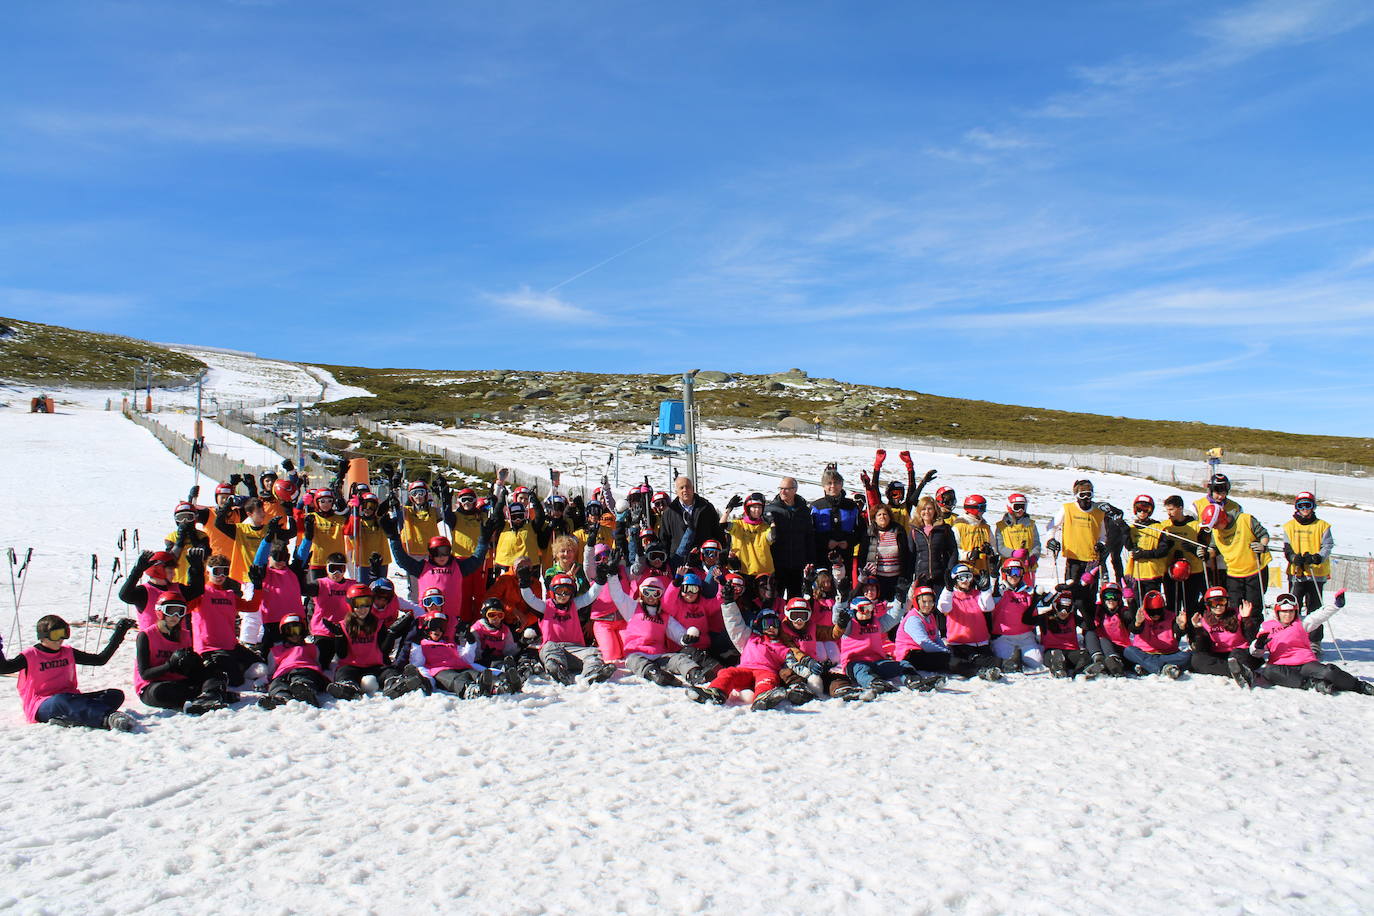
1292,663
47,679
1221,637
295,670
168,674
1059,623
649,628
563,646
1012,637
1155,635
966,608
1110,632
762,656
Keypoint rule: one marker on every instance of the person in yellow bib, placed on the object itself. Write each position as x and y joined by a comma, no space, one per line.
247,535
324,529
1238,542
974,535
1149,550
1078,531
1307,548
1015,532
751,537
1180,531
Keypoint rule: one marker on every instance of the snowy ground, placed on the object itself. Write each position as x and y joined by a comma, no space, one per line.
233,378
757,458
1032,796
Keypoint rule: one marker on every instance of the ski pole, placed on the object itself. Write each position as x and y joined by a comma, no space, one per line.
23,584
14,595
123,544
115,576
90,599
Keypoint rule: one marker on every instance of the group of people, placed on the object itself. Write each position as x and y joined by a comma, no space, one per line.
289,590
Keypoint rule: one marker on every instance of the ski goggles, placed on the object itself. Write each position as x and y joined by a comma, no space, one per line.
183,517
429,601
691,589
57,634
1018,506
218,572
656,556
1286,602
1304,504
363,601
1013,571
420,492
650,591
293,629
1220,601
964,577
710,551
172,610
336,567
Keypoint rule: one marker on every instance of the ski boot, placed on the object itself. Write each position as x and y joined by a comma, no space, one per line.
344,690
880,686
706,694
305,693
991,674
599,674
559,672
1172,672
848,693
769,700
661,677
1325,688
697,676
119,721
1015,663
797,695
272,701
1115,666
1057,663
1241,673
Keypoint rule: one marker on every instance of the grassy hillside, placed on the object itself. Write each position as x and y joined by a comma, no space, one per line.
440,396
44,354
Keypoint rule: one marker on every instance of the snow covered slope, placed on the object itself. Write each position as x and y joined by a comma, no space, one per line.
1032,796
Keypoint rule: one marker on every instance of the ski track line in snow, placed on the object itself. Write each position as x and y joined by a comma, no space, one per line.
1032,796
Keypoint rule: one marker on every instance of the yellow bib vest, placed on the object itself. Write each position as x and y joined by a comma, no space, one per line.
1234,546
1081,533
1307,539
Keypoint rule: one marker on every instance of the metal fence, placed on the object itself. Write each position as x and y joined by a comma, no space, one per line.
213,465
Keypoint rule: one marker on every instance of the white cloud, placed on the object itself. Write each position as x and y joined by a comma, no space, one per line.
540,305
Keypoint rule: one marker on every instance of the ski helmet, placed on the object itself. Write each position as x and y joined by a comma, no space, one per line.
382,586
798,608
651,587
655,552
493,607
515,511
1017,502
292,625
417,487
922,591
162,558
171,604
1214,516
1154,601
1219,482
1286,602
437,620
322,494
1214,594
357,593
433,597
962,571
50,626
660,499
946,496
367,498
767,619
438,543
562,581
1144,499
895,487
754,499
1012,566
466,494
861,603
690,580
555,501
735,581
711,545
1304,500
184,512
1180,570
1063,600
1110,591
284,490
975,505
224,489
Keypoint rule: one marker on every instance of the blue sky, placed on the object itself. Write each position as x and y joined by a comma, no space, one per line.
1150,208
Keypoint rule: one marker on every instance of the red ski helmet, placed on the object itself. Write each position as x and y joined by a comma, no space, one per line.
945,496
438,542
284,490
1015,500
358,591
1214,516
1180,570
1215,593
1154,601
1144,499
975,504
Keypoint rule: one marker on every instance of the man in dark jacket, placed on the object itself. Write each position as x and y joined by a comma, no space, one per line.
688,520
793,542
835,520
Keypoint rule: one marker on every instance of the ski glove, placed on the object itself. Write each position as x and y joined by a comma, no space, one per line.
734,502
689,638
983,582
842,617
1256,547
1052,545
